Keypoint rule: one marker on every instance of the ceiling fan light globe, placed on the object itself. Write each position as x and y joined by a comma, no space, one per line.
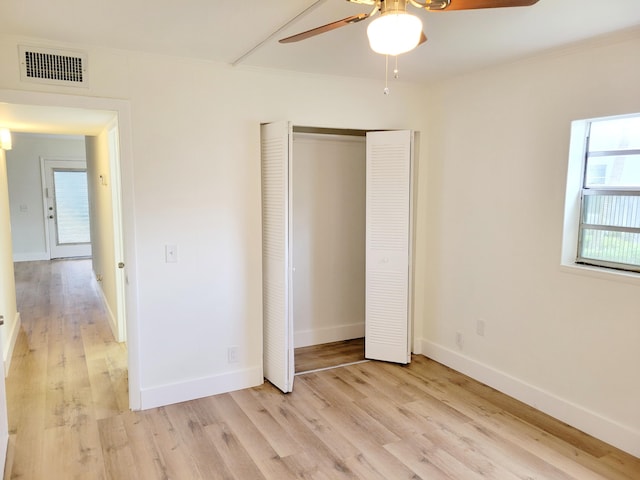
394,33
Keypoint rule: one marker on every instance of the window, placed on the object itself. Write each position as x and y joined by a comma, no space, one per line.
609,231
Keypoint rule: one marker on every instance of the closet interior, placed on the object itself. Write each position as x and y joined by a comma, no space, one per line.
328,211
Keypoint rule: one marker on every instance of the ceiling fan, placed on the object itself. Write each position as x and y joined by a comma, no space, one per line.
396,31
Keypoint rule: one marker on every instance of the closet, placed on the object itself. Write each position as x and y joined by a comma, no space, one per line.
336,212
328,237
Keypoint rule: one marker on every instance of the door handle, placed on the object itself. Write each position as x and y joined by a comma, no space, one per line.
120,264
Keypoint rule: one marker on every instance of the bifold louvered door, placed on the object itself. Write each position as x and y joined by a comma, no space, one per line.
388,250
388,233
276,140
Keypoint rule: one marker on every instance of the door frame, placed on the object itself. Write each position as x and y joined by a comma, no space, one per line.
414,138
121,112
118,234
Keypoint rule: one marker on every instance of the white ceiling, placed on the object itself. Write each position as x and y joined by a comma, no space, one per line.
53,120
224,30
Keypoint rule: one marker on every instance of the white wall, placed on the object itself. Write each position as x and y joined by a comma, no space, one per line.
195,176
25,188
8,307
102,238
566,342
328,237
197,183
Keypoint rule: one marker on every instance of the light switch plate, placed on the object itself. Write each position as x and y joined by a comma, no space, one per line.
171,253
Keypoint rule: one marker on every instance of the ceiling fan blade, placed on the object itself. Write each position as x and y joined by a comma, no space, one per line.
325,28
475,4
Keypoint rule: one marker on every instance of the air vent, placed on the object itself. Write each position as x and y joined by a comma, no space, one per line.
53,67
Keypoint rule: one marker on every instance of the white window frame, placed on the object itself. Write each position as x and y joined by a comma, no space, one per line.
570,261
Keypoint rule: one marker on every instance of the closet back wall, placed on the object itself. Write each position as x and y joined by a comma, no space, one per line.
328,211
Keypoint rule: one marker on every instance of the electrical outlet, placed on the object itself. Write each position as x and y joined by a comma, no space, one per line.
232,354
480,327
459,340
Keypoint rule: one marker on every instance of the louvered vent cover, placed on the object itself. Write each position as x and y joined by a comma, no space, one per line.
54,67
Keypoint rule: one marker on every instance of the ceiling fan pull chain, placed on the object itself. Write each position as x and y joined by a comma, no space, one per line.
386,75
395,70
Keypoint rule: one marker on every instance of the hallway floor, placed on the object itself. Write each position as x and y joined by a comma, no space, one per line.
67,373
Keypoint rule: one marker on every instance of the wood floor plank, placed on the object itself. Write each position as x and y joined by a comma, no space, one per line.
305,465
362,468
247,433
149,463
169,442
319,438
308,428
276,435
72,454
557,450
195,445
333,393
622,463
276,468
235,457
119,460
328,355
69,419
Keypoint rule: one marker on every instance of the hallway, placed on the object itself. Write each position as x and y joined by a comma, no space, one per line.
66,374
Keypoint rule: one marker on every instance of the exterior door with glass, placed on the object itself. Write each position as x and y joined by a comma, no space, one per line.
66,203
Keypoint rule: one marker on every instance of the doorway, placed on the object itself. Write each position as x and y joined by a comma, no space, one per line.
328,234
65,189
73,202
77,115
66,204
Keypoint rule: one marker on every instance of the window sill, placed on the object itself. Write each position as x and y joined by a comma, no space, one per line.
601,273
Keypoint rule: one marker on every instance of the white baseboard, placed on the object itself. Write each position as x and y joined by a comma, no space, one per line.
30,257
318,336
605,429
13,336
201,387
113,322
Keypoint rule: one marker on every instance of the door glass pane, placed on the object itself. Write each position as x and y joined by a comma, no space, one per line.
72,206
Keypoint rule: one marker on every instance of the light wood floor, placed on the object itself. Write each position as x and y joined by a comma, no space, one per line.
67,373
329,355
68,415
